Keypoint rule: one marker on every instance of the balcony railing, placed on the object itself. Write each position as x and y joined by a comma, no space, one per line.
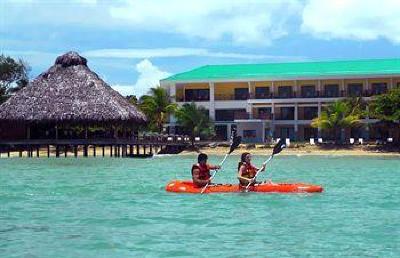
317,94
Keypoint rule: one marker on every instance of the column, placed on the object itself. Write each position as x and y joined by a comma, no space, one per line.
295,89
250,90
342,89
391,83
172,94
366,88
249,110
319,88
228,129
319,115
296,116
272,88
272,120
212,101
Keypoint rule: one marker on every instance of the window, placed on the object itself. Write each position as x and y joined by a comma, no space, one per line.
287,113
379,88
285,92
331,90
308,91
262,92
197,95
287,132
310,113
227,114
264,113
241,93
249,134
221,132
354,89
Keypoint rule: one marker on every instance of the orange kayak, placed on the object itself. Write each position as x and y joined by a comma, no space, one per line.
178,186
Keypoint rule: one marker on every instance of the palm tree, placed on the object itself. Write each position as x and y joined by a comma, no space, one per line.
194,120
338,116
157,107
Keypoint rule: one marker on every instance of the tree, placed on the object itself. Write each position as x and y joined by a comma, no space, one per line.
13,76
386,108
194,120
132,99
157,107
338,116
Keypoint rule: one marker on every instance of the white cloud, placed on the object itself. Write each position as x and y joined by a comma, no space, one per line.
353,19
124,90
244,22
149,77
174,52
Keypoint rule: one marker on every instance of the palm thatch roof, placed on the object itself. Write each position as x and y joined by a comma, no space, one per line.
69,92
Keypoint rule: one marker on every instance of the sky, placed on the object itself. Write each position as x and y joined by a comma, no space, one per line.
132,44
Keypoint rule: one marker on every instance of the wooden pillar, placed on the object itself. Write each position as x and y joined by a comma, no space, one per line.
37,150
75,151
8,151
65,150
103,150
130,150
48,151
144,149
111,150
137,149
57,151
94,150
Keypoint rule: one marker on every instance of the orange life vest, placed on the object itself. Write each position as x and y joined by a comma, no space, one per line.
204,173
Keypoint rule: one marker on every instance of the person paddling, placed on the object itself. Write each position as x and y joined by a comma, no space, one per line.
201,171
246,171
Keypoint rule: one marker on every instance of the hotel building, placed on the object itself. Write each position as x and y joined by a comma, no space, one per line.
279,100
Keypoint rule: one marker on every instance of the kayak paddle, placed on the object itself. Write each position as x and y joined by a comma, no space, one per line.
277,149
235,141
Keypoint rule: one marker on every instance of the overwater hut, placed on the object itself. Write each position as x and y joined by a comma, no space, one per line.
64,102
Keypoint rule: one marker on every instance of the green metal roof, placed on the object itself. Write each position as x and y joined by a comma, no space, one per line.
290,70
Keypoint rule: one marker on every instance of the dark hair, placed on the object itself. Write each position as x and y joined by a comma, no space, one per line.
202,157
242,159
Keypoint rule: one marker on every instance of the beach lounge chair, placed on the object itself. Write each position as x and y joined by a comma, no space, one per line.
351,140
179,138
360,140
170,139
312,141
287,141
319,140
197,139
390,139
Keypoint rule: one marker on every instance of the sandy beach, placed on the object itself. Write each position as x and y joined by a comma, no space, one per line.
355,150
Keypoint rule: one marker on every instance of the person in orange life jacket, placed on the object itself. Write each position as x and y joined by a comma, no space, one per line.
246,171
201,171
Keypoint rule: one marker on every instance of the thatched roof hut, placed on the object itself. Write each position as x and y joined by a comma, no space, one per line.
69,92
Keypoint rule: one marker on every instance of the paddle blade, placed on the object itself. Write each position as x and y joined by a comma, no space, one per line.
279,147
235,143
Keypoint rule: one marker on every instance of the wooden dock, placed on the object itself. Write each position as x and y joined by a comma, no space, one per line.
125,148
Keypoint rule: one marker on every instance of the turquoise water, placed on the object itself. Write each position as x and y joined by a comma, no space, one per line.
108,207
